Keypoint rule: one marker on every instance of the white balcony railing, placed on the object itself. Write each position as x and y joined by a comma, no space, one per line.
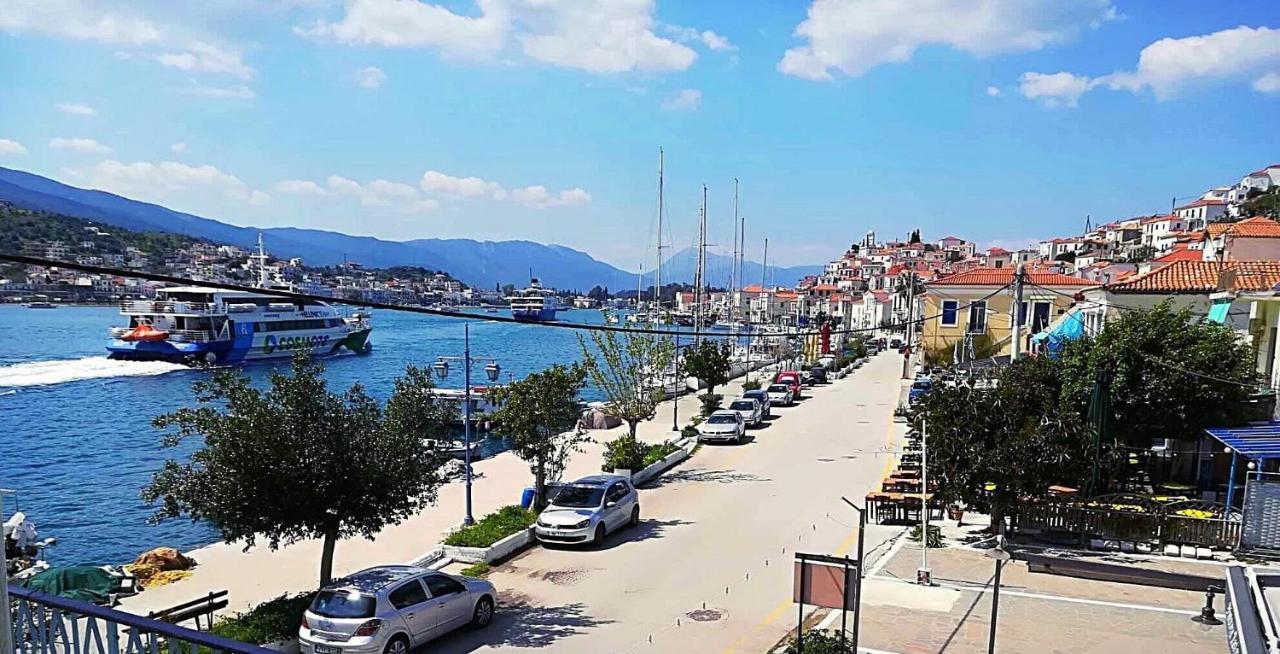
165,306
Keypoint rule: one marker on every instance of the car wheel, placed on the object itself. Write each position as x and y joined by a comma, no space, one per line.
598,540
635,516
397,645
483,614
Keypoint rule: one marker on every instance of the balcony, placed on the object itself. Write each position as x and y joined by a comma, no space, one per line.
129,307
47,624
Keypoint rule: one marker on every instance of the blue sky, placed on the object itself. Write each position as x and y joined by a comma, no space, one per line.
996,120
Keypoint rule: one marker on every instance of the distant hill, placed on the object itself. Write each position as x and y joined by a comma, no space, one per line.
681,265
479,263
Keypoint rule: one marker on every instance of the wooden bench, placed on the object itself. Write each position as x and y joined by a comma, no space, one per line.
193,610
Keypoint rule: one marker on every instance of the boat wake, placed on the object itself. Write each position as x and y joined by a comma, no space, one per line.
44,373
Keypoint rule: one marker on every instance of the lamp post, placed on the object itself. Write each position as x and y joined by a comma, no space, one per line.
491,370
857,586
675,401
1000,556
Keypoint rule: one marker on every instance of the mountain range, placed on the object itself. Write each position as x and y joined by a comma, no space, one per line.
479,263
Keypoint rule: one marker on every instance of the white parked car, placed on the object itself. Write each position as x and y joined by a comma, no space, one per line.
722,426
392,609
588,509
780,395
762,397
749,409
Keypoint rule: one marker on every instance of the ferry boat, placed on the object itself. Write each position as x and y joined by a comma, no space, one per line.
200,325
193,324
534,304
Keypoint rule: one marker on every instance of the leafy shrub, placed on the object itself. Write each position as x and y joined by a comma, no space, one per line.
751,385
820,642
493,527
935,536
710,403
658,452
689,431
477,569
625,452
268,622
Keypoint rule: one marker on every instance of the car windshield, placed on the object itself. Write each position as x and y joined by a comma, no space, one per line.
778,388
922,385
342,604
743,405
722,420
579,497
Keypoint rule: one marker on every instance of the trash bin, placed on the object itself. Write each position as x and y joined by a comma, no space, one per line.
526,497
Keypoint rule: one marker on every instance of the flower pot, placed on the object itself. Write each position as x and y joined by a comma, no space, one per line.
955,513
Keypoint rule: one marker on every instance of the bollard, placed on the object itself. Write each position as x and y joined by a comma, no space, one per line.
1207,615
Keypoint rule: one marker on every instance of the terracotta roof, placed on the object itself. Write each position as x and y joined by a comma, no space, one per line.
785,295
826,288
1256,227
753,288
997,251
1201,277
1181,254
1202,203
881,296
1159,219
1003,276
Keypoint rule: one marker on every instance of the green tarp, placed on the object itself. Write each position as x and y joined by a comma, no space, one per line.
84,583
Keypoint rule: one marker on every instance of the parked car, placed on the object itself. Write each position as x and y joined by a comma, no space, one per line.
780,395
896,343
392,609
749,409
762,396
588,509
918,389
873,348
790,378
818,374
722,426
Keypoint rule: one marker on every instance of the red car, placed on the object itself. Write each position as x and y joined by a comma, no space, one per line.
792,379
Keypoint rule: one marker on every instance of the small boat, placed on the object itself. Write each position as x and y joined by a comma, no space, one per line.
453,449
41,305
146,334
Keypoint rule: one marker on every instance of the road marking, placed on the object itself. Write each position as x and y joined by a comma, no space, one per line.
1052,598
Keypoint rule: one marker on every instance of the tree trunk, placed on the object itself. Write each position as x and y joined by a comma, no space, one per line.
326,557
540,484
631,427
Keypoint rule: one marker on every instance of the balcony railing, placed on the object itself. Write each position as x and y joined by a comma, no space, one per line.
165,306
47,624
175,335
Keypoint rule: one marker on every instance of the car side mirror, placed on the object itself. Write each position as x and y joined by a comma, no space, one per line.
610,504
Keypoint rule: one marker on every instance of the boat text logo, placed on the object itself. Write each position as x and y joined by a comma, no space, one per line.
293,343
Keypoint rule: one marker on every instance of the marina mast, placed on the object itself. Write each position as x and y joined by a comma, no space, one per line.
699,275
657,278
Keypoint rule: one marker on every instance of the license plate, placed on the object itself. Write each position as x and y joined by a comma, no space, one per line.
325,649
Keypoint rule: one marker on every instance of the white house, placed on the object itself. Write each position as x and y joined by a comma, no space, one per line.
1200,213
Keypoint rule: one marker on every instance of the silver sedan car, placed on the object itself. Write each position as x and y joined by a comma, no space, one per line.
589,509
391,609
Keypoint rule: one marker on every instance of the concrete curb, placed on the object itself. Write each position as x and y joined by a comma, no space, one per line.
496,552
659,467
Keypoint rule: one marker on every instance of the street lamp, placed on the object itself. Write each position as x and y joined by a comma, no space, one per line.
492,370
1000,556
675,400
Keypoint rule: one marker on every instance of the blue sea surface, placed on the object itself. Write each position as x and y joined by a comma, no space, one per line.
76,441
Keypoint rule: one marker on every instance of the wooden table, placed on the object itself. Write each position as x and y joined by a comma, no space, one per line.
899,507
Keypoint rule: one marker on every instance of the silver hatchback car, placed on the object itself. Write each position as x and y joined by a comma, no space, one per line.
391,609
588,509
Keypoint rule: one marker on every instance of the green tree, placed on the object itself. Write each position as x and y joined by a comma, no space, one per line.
540,414
708,362
1172,375
295,461
1263,203
991,448
629,370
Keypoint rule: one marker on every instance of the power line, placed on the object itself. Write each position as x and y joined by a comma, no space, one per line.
444,313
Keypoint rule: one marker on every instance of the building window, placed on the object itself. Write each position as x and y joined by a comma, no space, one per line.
949,310
978,317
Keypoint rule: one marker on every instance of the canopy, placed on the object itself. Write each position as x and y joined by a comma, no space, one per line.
1068,328
1260,440
1218,312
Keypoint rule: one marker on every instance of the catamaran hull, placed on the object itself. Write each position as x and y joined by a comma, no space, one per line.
244,348
545,314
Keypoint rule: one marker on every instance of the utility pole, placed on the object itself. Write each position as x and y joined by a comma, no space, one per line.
910,324
1017,312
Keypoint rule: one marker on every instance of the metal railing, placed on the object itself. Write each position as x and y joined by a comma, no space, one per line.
1126,517
47,624
175,335
165,306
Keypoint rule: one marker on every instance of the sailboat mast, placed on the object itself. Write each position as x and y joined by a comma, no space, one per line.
657,278
733,266
699,277
764,275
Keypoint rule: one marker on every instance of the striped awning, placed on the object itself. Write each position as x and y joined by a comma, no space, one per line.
1260,440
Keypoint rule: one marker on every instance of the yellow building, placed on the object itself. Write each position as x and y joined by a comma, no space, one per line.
971,313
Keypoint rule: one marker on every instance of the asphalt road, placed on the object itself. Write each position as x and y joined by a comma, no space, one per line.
710,567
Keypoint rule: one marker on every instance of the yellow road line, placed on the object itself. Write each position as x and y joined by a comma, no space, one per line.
768,620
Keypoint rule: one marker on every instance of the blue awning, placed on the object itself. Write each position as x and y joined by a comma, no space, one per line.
1069,327
1260,440
1218,312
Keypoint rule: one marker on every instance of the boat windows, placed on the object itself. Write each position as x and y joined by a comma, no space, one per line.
292,325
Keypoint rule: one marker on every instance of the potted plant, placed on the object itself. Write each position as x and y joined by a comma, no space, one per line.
955,512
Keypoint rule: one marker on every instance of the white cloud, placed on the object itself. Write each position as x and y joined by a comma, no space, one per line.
706,38
299,187
165,179
1055,90
180,146
12,147
236,92
370,77
82,145
201,57
600,36
471,187
1269,83
853,36
994,91
1172,66
75,108
683,100
104,23
79,20
538,196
